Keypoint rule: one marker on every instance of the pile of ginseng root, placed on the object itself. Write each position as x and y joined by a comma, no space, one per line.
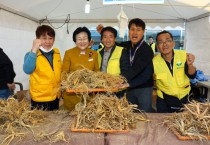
85,79
107,112
17,118
101,111
193,122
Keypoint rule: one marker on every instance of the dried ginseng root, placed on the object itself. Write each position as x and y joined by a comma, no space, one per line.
107,112
85,79
193,122
17,115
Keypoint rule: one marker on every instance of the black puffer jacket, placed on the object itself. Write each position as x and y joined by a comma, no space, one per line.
7,73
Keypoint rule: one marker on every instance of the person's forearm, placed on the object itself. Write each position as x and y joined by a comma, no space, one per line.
29,63
191,69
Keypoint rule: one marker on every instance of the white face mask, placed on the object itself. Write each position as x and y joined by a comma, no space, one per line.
45,50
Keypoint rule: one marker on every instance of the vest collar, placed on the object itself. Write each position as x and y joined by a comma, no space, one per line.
171,58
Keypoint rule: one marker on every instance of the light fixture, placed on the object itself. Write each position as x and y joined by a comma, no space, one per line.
87,7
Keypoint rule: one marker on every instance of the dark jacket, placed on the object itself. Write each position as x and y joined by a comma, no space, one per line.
7,73
141,73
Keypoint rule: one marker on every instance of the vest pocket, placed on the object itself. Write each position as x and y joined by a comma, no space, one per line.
162,79
180,79
114,66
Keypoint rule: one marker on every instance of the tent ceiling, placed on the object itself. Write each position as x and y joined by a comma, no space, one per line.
57,10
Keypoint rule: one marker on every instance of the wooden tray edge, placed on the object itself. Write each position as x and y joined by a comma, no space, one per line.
94,90
99,131
181,137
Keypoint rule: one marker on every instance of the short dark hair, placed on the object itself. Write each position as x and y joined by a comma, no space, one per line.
42,30
110,29
164,32
79,30
137,22
150,37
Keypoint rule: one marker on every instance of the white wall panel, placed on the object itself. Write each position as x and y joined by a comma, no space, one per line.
198,43
17,34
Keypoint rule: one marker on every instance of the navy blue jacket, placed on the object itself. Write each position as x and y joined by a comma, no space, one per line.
140,75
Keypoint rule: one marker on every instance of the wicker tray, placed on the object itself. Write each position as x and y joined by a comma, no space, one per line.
181,137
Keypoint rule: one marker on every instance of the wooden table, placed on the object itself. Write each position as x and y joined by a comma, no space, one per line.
152,133
61,124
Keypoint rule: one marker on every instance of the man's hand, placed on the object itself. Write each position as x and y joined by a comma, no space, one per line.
99,28
190,59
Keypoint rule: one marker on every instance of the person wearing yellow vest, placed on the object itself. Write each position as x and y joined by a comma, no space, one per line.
172,70
43,63
140,72
112,59
152,44
76,58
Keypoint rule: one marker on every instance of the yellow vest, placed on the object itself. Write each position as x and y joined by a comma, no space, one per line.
45,81
101,45
113,66
177,85
153,47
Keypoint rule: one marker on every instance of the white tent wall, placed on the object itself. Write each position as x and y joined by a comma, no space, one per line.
17,34
198,42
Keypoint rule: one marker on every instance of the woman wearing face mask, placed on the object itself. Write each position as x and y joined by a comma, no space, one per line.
43,64
76,58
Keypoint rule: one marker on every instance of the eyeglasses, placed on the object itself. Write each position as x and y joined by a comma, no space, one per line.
79,40
167,42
